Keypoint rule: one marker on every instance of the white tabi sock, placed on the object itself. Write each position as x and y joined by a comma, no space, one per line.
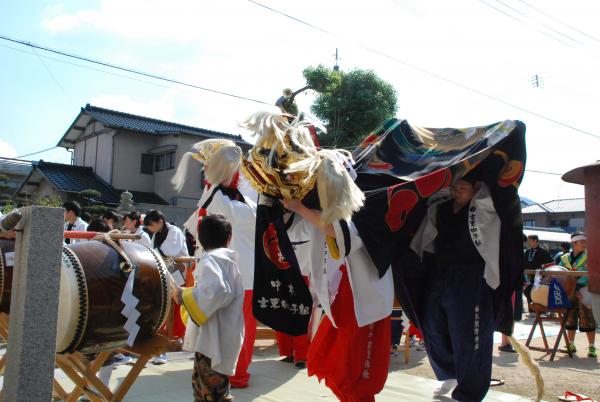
445,387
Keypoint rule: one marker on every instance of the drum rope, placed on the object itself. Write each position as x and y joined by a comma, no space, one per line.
105,238
533,367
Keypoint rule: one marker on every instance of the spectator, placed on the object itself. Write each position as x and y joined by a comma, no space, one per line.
98,225
169,240
534,258
73,221
133,225
112,219
86,216
564,249
579,315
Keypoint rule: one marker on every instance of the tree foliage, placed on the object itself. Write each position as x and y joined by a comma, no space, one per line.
88,196
351,104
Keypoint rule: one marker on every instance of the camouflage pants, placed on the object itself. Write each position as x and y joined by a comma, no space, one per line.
209,386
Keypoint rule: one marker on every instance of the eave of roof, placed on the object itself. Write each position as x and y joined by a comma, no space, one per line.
167,127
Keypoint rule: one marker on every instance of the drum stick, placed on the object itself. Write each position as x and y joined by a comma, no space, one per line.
556,273
172,283
73,234
185,259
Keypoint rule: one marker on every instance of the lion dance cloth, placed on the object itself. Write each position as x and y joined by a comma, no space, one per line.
399,167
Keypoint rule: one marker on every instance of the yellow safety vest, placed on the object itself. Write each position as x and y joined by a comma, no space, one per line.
579,265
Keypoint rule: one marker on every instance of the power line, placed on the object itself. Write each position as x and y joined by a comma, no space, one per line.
37,152
544,25
524,22
128,77
542,172
399,61
129,70
430,73
560,22
51,74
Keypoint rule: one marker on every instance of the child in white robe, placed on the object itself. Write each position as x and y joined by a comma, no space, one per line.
215,328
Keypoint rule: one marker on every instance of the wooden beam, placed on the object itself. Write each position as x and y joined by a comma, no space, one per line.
32,183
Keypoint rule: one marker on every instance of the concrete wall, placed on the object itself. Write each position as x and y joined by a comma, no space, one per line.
45,189
127,161
162,179
91,144
103,165
192,190
79,153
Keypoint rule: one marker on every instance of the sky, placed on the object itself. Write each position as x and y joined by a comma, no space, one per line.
239,47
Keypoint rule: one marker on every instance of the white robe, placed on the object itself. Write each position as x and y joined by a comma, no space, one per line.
373,297
242,216
485,232
79,226
216,324
144,239
174,245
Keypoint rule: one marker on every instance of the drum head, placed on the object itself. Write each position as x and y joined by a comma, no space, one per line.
72,303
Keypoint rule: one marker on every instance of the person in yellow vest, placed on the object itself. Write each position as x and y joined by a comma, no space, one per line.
580,315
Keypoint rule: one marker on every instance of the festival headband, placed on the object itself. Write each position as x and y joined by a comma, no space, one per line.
578,237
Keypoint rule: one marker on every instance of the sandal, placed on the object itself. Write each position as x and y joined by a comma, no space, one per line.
573,397
507,348
496,382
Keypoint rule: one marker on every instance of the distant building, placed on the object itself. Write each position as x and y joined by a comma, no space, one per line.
566,214
15,171
115,151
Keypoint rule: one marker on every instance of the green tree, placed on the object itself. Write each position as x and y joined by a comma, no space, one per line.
351,104
48,202
8,206
4,187
88,196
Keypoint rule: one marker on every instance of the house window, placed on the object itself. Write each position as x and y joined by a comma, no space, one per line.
159,163
164,161
147,164
559,223
530,222
170,161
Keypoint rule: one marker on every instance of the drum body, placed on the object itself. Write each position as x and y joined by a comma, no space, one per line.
91,285
90,315
541,293
7,256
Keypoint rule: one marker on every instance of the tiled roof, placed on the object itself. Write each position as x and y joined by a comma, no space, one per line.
113,118
534,209
73,179
564,205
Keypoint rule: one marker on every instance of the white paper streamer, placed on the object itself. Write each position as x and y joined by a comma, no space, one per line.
129,311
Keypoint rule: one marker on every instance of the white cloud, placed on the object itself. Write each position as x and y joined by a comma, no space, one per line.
7,150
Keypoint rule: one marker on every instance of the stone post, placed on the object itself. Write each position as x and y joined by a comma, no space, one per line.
34,306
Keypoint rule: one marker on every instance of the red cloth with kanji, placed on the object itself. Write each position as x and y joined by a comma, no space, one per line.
352,360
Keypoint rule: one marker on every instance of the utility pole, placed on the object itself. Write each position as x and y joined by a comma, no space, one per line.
336,66
537,81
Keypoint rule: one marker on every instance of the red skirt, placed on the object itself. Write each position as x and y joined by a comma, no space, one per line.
352,360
